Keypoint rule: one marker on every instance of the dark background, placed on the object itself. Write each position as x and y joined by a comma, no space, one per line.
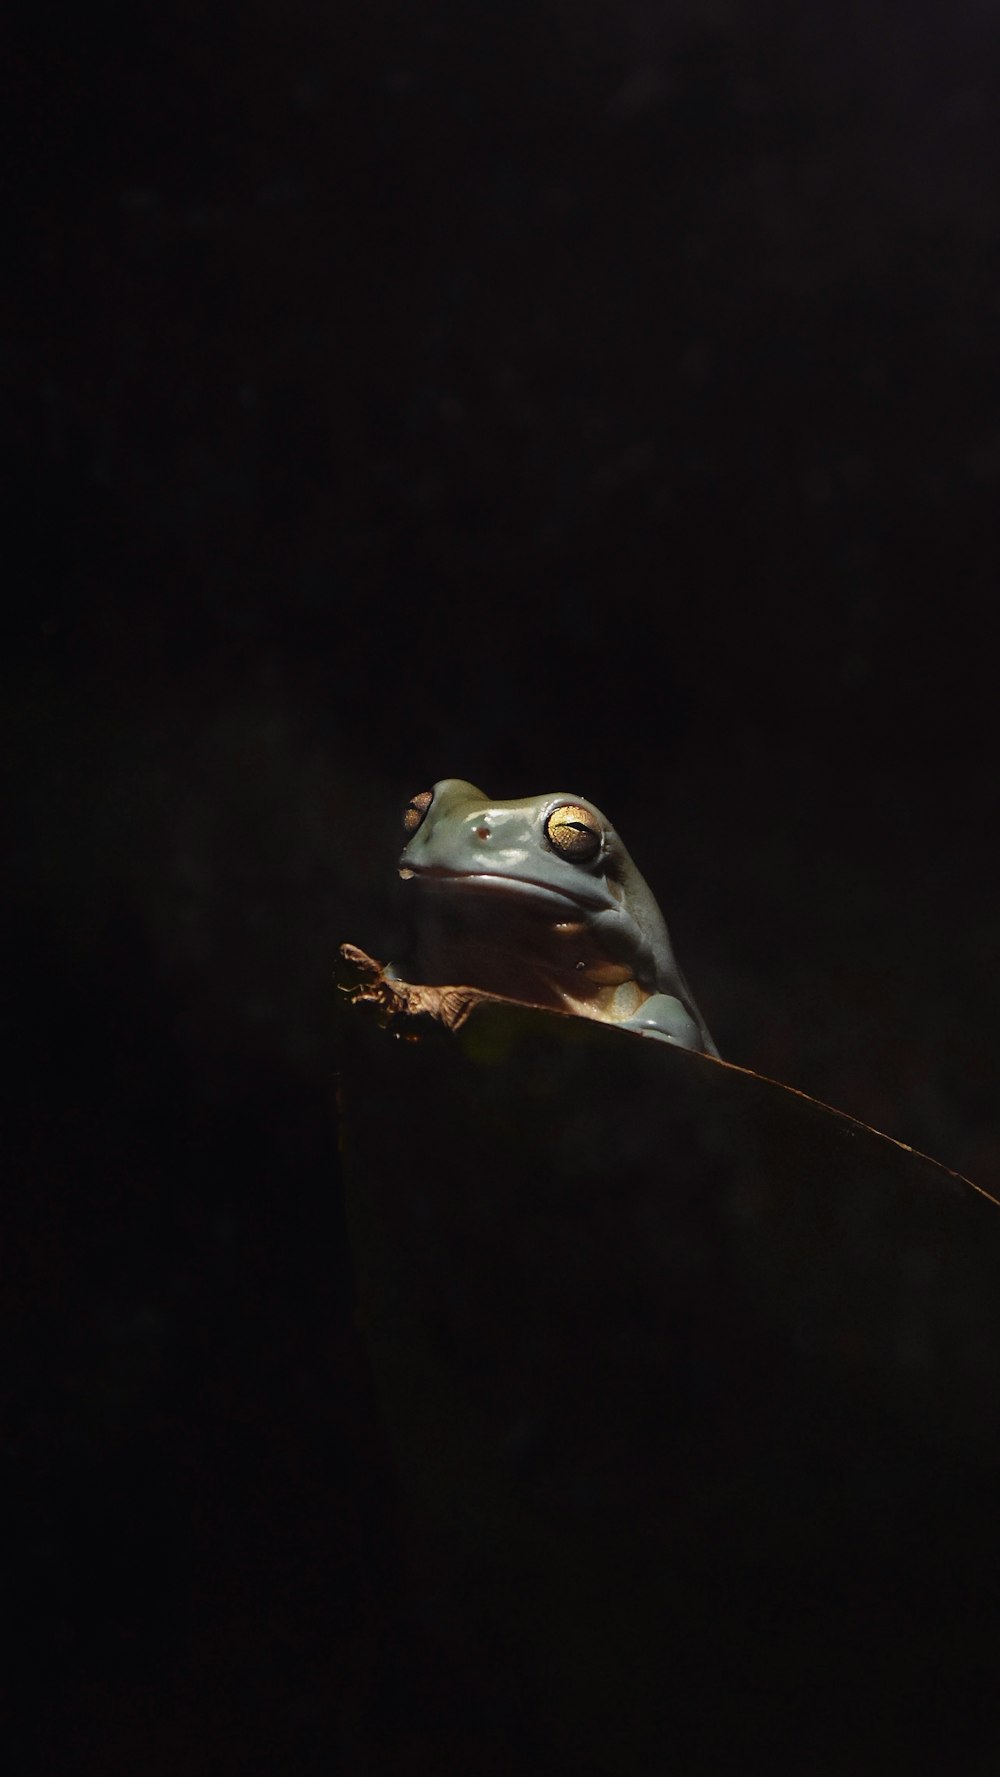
563,396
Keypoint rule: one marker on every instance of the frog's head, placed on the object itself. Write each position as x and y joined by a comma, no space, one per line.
544,875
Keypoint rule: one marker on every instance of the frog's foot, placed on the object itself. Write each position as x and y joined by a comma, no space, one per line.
665,1017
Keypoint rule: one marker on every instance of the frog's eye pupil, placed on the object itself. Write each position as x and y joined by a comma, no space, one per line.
574,833
416,809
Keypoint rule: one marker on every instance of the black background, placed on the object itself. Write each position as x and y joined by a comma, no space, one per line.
563,396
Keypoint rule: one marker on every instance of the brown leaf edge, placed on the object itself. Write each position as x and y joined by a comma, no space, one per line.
396,999
451,1006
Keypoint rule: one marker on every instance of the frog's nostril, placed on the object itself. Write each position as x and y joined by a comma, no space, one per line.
482,832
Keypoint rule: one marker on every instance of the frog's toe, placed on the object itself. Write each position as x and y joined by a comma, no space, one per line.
664,1017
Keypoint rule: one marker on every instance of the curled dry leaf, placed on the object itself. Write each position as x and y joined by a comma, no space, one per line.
400,1000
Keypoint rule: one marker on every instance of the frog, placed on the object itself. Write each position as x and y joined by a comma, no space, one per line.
537,900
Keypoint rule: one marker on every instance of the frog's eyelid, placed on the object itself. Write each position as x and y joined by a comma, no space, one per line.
571,823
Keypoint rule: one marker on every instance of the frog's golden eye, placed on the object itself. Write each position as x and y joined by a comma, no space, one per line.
416,808
574,832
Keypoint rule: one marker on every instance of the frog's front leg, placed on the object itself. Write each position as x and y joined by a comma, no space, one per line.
665,1017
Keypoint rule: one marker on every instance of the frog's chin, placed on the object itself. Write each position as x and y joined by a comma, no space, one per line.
525,888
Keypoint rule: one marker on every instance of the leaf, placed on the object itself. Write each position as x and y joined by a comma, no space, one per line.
692,1383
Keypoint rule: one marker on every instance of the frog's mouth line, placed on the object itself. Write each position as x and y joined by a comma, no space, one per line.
485,881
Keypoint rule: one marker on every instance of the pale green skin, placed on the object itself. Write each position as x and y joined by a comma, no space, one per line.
500,908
